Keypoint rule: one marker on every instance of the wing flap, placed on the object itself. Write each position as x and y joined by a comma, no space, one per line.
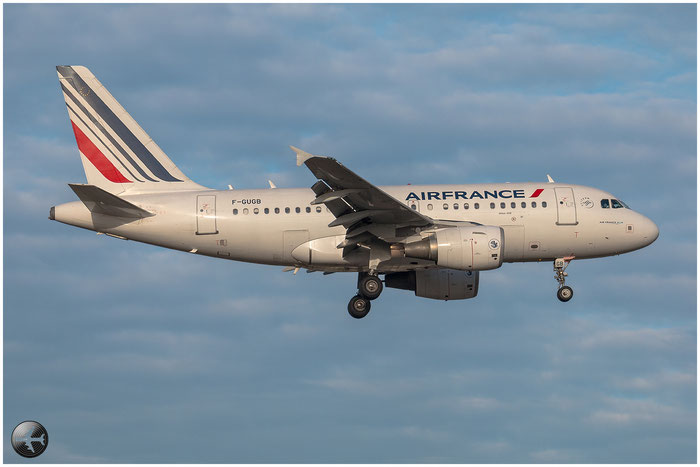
334,195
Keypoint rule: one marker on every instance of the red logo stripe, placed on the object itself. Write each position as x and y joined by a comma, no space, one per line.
98,159
537,193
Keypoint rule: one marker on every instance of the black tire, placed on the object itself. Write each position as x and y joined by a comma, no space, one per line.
565,293
359,307
370,287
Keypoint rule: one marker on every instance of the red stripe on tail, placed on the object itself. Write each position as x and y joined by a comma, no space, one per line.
537,193
98,159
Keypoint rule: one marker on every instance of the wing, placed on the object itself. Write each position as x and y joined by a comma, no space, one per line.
352,199
372,218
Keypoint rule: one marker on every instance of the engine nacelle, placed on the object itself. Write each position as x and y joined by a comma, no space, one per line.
472,248
439,284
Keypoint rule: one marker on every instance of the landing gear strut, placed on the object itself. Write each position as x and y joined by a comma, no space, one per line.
369,287
565,293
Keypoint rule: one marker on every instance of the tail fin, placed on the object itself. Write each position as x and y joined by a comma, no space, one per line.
117,154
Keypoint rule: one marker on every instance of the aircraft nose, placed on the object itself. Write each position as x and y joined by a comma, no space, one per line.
648,230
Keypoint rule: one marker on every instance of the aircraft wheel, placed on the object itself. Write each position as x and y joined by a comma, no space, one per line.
359,307
370,287
565,293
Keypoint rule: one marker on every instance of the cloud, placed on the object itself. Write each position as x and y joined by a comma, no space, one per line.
634,413
552,455
662,380
647,339
423,433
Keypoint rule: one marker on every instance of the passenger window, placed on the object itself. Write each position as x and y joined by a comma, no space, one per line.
430,207
308,209
466,205
534,204
267,211
286,210
476,205
298,210
616,204
277,210
512,205
456,206
605,203
544,204
503,205
414,207
245,211
256,211
523,205
445,206
318,208
235,212
492,205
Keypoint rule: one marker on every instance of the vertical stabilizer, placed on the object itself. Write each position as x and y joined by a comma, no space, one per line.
117,154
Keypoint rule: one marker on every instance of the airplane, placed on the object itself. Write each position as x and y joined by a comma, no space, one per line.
433,240
28,440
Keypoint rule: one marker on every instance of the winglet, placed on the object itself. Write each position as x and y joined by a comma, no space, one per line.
272,185
302,156
549,179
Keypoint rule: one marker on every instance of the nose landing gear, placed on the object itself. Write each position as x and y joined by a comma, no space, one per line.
369,287
565,293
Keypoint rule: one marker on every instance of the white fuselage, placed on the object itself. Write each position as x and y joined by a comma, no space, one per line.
266,226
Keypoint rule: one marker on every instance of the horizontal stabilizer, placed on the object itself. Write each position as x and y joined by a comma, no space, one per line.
100,201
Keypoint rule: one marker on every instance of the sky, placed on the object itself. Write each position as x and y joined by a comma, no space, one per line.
130,353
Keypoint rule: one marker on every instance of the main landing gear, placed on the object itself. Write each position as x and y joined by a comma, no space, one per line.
369,287
565,293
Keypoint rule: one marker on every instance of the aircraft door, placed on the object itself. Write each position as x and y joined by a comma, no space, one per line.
566,207
206,215
413,204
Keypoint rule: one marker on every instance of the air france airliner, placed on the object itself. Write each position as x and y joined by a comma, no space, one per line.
431,239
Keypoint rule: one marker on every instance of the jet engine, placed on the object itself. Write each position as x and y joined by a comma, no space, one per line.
472,248
438,284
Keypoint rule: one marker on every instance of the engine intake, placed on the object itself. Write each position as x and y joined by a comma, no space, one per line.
473,248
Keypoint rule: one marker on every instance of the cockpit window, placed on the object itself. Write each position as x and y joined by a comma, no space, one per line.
605,203
616,204
623,203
